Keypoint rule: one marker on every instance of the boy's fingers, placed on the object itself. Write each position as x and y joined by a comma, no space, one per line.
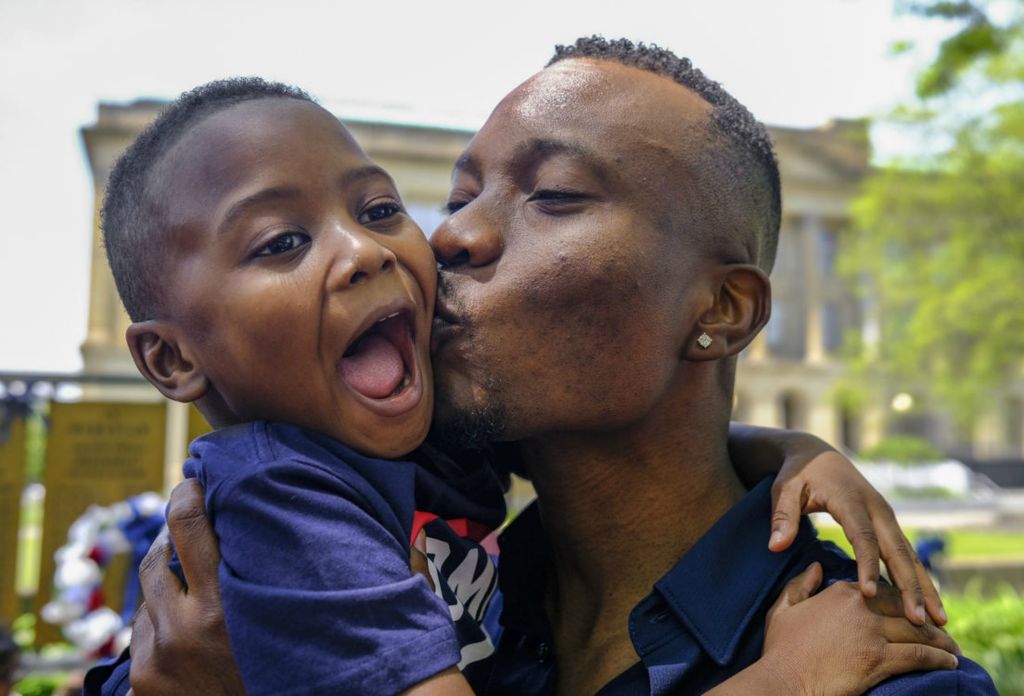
914,657
859,528
887,602
194,540
899,630
786,504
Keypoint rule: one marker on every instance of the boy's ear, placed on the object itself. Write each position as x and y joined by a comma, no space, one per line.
166,361
741,307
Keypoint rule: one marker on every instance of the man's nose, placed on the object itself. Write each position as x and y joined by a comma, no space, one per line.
359,257
465,238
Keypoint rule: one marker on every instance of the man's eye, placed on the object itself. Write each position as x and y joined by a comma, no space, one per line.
555,195
452,207
282,244
378,212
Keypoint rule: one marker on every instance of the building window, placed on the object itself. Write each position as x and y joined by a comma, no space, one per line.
832,326
849,429
828,251
791,407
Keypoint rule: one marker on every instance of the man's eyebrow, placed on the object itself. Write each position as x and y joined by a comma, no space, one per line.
466,163
547,147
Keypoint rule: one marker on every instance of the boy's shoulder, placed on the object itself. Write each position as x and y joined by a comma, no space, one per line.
227,456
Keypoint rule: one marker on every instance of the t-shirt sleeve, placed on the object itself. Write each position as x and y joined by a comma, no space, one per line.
317,593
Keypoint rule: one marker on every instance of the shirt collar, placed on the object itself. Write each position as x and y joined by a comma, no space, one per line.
725,580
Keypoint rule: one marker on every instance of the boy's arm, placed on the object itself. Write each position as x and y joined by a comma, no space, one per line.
805,654
814,477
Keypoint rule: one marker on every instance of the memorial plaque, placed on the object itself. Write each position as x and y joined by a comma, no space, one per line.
12,480
96,454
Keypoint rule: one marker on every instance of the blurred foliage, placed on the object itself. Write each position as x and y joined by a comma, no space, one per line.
939,243
990,630
40,684
902,449
961,544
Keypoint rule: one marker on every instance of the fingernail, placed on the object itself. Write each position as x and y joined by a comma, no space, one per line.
920,614
776,538
942,615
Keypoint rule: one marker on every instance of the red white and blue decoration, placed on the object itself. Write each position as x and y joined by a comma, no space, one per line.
94,539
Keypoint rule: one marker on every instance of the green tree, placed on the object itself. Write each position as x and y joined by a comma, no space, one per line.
939,239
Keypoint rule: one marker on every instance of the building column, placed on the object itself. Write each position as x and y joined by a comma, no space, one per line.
814,344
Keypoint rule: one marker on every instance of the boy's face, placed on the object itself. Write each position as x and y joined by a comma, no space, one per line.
304,290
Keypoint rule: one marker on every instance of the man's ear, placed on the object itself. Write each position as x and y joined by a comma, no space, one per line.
166,360
742,305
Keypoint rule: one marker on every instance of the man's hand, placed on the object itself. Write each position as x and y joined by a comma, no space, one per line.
803,649
179,639
804,653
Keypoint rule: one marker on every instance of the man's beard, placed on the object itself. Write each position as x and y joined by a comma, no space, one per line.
460,429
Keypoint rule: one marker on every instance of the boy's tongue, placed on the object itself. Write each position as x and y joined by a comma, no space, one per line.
373,367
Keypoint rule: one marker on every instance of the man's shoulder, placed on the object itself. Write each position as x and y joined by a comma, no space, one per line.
968,678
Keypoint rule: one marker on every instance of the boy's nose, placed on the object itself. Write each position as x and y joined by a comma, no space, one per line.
360,260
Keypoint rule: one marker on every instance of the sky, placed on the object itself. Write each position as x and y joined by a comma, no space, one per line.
792,62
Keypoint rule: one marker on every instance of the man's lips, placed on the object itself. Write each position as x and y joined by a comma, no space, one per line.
446,324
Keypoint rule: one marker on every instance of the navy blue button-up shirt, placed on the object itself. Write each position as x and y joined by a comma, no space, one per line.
704,620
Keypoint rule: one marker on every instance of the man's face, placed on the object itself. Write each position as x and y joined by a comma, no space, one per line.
565,296
304,289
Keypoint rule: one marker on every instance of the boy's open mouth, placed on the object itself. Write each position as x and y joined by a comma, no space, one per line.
378,363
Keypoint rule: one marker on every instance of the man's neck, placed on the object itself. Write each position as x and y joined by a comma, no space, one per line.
620,509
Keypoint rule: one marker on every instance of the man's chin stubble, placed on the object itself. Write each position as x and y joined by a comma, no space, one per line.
463,429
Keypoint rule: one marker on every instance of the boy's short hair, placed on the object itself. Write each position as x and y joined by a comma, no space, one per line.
130,218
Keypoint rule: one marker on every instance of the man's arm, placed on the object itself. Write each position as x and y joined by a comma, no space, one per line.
814,477
179,638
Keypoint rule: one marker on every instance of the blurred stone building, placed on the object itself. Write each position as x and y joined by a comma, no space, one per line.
791,376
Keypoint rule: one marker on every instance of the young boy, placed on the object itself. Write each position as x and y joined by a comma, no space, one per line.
274,280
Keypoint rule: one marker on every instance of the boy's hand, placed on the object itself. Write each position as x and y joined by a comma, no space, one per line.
816,478
179,639
805,654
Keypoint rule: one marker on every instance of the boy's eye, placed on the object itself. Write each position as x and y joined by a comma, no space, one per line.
282,244
379,211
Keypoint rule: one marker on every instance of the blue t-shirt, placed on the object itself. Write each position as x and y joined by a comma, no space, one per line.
314,577
703,622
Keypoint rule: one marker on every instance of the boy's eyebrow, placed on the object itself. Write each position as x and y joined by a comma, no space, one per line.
276,193
264,196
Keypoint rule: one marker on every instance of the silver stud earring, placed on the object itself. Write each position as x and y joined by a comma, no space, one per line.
704,341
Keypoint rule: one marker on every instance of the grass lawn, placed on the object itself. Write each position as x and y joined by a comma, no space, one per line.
960,544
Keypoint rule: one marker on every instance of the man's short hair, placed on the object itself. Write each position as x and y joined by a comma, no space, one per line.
132,225
747,166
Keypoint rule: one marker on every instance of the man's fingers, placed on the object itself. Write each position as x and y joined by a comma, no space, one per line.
798,589
194,540
914,657
141,645
902,563
852,515
887,602
786,504
156,579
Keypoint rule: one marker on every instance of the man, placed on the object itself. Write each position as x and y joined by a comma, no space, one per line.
604,262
